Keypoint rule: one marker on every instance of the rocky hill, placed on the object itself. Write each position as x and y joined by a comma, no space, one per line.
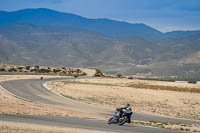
62,39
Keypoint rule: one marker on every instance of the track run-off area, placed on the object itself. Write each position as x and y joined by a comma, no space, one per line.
33,90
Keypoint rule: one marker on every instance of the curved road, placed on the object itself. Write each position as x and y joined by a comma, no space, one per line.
33,90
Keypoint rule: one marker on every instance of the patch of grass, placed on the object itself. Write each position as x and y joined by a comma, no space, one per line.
161,79
87,83
119,75
141,86
71,74
170,88
70,97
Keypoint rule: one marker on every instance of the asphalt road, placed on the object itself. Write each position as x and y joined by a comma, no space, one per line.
33,90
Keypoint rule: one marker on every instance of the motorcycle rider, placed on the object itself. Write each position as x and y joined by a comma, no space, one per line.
128,111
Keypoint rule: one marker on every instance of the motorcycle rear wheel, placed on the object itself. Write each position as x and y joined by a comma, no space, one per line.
110,121
123,120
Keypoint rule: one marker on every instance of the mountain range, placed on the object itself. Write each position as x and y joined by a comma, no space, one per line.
47,37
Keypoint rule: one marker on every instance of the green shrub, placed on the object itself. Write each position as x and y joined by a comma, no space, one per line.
118,75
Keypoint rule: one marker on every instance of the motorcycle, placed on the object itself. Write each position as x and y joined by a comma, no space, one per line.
120,117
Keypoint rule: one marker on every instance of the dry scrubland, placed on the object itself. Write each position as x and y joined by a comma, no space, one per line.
171,126
61,71
109,92
9,127
9,104
142,95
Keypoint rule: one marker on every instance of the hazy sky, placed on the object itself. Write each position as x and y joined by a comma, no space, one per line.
164,15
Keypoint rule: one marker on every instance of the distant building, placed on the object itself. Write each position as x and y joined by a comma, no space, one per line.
192,82
198,82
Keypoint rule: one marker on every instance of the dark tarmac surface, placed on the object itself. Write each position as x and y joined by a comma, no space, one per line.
83,123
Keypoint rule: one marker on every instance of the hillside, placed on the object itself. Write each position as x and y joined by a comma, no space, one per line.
55,46
61,39
8,49
53,18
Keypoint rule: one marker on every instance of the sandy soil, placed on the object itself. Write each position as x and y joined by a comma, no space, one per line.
171,126
9,104
90,72
10,127
115,93
125,82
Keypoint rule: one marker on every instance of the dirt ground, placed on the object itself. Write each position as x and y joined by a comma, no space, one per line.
9,104
125,82
171,126
115,93
107,92
9,127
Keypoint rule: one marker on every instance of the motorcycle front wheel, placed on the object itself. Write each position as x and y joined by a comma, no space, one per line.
110,121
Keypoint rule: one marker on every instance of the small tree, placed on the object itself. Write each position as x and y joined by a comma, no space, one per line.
98,73
118,75
28,67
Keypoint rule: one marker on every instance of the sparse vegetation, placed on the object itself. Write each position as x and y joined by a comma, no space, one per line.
70,97
170,88
2,69
119,75
159,79
98,73
71,74
167,125
87,83
142,86
61,71
116,92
